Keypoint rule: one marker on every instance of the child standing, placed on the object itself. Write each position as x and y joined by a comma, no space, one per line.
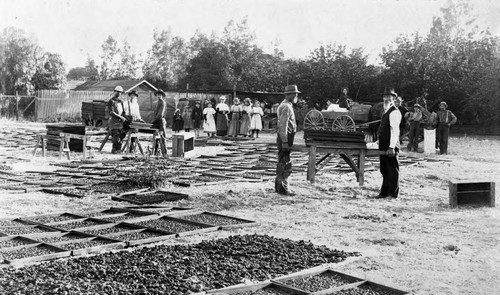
256,121
178,122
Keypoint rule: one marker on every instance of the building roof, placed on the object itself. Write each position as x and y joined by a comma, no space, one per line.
72,84
109,85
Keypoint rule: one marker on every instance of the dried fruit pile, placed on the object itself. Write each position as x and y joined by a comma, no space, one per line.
213,219
169,225
14,242
53,218
25,252
319,282
108,230
171,269
85,244
138,235
365,290
271,290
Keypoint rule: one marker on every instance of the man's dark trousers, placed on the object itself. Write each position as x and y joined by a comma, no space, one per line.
389,167
284,168
443,133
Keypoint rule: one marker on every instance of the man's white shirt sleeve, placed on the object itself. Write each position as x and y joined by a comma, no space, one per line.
394,120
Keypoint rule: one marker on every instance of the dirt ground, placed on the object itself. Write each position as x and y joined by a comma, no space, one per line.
415,242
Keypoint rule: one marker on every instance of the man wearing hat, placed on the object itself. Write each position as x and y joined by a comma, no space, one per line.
286,133
116,119
388,141
445,119
159,119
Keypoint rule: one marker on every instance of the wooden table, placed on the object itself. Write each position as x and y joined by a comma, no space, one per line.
347,151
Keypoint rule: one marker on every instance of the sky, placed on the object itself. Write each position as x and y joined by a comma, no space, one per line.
77,28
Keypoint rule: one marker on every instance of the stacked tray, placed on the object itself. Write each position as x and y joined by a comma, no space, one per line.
352,138
314,282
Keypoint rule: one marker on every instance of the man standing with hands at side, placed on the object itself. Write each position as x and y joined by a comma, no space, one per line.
286,133
116,119
389,143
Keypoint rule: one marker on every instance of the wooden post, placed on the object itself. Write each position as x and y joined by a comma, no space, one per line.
361,167
17,106
311,167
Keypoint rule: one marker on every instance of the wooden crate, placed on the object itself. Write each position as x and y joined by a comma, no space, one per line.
182,143
472,194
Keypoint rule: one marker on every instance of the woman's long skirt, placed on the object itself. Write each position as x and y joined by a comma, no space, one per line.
221,124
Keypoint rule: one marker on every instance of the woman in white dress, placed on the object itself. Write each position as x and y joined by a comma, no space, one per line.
256,120
222,111
209,120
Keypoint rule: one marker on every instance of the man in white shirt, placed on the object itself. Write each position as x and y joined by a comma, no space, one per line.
389,142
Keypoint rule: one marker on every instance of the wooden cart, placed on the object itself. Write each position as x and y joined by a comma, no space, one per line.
350,120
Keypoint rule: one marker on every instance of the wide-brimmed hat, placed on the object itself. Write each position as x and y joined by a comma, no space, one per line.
222,98
161,92
443,102
133,92
236,100
119,89
390,91
247,100
291,89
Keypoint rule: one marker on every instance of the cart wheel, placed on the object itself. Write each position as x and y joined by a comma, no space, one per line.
343,123
314,121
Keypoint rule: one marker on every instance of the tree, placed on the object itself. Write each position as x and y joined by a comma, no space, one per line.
167,60
110,59
129,63
91,70
19,56
50,73
449,62
78,73
209,68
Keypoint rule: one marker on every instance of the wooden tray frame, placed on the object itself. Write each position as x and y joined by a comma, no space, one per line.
59,253
247,223
114,244
204,227
259,286
162,237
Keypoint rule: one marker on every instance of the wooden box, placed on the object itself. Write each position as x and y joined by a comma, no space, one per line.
472,194
182,143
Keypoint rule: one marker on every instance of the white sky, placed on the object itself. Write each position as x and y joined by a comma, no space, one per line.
77,28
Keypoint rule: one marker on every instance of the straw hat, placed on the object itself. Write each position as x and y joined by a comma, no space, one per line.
291,89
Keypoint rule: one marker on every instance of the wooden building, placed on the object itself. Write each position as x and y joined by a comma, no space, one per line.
147,101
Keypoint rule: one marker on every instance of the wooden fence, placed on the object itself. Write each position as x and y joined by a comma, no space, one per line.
63,105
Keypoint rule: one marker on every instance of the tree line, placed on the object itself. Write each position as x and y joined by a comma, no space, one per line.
454,61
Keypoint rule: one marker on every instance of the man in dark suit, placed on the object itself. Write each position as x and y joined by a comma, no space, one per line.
388,141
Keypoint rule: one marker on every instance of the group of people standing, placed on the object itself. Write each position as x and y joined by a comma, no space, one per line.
123,110
239,119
